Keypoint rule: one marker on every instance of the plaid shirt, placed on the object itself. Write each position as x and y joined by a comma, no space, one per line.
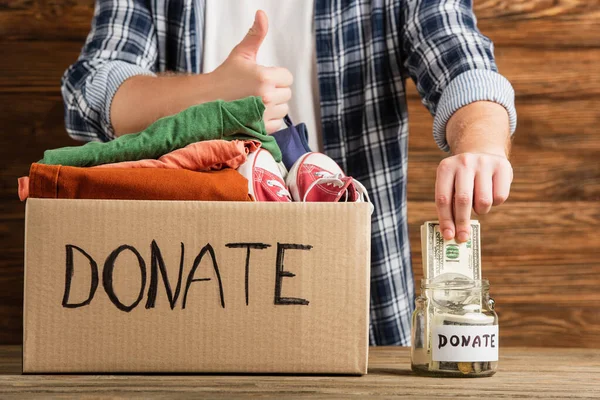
365,51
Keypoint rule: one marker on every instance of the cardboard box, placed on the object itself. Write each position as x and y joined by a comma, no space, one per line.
263,287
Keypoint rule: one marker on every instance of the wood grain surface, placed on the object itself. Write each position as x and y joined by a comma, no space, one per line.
540,23
541,250
522,373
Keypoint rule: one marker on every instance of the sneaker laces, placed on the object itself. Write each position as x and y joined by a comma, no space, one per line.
338,180
326,178
283,191
325,174
363,195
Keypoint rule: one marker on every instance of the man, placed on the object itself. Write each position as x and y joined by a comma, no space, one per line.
359,52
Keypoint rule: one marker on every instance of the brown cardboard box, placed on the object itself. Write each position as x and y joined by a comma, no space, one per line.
96,299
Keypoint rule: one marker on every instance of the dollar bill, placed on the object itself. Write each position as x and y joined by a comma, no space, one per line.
447,259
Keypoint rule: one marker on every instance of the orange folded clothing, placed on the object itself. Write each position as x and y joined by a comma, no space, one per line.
200,156
61,182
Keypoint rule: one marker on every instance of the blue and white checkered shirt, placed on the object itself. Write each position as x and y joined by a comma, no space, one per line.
365,51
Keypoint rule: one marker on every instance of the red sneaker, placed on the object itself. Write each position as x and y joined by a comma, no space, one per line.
316,177
265,182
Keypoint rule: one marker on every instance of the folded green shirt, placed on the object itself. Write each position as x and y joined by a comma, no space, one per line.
240,119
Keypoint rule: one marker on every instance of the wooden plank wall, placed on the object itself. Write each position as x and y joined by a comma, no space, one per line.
540,250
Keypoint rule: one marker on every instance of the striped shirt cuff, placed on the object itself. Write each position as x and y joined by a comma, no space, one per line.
468,87
105,83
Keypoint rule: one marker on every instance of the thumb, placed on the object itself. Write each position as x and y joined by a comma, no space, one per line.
249,46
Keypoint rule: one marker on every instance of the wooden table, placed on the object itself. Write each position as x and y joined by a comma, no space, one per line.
523,373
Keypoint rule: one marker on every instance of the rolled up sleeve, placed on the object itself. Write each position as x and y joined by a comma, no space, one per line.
451,61
121,44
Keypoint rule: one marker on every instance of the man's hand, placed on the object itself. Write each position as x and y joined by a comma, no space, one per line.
141,100
479,174
469,180
239,76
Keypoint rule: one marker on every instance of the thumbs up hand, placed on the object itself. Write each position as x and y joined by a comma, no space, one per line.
239,76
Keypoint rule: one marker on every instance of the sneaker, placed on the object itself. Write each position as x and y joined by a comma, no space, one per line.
316,177
265,182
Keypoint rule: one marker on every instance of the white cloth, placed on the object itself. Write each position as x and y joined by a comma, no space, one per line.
290,43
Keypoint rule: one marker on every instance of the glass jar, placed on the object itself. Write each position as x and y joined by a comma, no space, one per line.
454,329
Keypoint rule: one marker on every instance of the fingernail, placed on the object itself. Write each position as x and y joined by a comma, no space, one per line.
448,234
463,236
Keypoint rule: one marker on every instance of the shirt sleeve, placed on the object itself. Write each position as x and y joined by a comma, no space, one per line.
121,44
451,61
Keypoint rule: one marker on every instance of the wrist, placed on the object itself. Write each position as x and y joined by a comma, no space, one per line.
204,88
482,142
480,127
494,151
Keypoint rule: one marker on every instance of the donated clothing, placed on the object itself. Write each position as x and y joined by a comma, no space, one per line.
293,142
290,43
240,119
200,156
60,182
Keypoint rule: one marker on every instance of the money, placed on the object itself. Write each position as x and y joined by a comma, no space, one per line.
446,259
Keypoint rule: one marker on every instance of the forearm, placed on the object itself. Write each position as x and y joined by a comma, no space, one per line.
479,127
141,100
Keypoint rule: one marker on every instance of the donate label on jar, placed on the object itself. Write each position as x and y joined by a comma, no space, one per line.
465,343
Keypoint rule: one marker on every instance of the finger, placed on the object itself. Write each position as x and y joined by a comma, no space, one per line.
463,201
273,125
250,44
444,190
277,111
278,96
483,195
278,76
502,179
